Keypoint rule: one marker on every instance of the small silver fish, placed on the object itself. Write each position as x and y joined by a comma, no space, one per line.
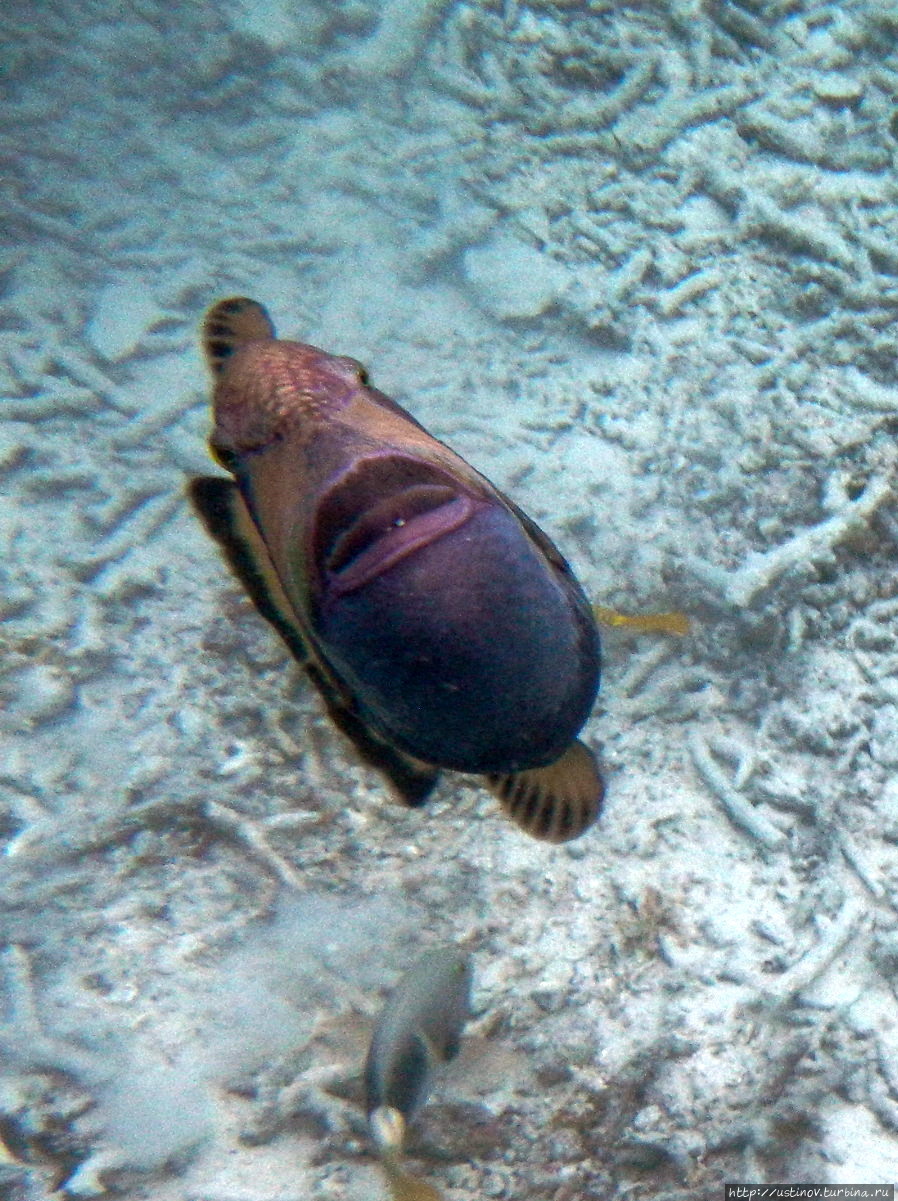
419,1029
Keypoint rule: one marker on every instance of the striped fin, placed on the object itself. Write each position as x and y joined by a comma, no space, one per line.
231,323
555,803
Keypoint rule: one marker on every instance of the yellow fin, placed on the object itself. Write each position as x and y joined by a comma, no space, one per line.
555,803
645,623
387,1127
231,323
404,1186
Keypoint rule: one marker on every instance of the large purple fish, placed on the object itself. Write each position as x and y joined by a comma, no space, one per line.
441,626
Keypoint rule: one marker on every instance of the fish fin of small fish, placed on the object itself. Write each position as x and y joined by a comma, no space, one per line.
228,522
388,1130
645,623
557,802
404,1186
223,512
445,1053
231,323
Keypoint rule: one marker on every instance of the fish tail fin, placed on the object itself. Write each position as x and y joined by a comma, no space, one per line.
557,802
231,323
388,1130
404,1186
387,1126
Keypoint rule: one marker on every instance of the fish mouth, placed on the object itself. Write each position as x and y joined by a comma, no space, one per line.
378,513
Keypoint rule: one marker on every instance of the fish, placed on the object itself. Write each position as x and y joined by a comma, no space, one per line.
419,1029
443,629
673,622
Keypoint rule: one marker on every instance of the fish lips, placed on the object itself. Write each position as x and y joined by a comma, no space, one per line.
377,513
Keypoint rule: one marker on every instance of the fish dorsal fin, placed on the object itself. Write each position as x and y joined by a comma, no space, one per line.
555,803
229,325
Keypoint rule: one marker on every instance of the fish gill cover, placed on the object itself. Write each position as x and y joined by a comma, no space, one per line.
637,262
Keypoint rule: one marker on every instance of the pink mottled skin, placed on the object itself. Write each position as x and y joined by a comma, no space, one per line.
298,419
273,389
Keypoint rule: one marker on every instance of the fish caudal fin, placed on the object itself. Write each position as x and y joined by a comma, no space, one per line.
554,803
231,323
388,1131
405,1187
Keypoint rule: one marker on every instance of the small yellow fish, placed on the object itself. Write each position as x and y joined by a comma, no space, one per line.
645,623
419,1029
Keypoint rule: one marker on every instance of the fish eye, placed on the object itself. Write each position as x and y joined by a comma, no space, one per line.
355,367
224,457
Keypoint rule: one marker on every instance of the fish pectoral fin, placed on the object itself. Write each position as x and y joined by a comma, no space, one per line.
555,803
223,512
442,1052
231,323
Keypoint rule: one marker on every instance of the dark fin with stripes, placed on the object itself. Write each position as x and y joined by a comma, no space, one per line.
231,323
555,803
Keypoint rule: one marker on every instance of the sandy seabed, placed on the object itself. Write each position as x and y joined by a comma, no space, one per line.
638,263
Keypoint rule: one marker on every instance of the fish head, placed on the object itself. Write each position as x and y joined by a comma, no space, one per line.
271,390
